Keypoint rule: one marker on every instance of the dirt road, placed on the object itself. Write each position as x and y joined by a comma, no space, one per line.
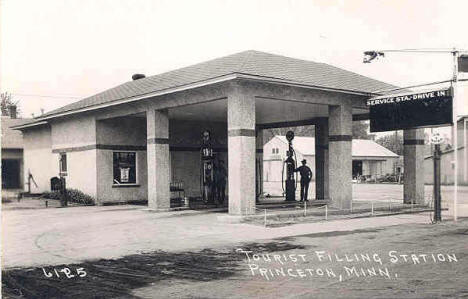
401,261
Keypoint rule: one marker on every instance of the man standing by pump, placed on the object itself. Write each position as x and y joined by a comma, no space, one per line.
306,177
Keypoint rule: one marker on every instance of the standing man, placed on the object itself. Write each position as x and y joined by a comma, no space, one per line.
306,177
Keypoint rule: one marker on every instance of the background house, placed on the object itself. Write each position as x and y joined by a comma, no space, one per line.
12,153
369,159
447,159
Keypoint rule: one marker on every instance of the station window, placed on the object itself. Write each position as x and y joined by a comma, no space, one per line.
63,163
124,168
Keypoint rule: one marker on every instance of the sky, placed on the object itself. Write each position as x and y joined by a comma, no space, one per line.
54,52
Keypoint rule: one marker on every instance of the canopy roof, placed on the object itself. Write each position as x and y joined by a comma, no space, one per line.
250,64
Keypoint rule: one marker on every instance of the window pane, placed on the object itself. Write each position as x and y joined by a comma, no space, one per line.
63,163
124,168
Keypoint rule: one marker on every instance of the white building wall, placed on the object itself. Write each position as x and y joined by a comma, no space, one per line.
446,168
38,159
108,192
76,136
81,171
117,135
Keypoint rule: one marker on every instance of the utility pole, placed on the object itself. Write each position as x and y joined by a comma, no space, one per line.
455,133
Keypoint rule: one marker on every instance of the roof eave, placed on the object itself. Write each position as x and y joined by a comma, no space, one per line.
228,77
25,126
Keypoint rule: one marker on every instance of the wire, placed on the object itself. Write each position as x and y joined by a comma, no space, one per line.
419,85
47,96
425,50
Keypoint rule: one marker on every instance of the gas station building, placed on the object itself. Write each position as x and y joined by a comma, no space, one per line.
152,126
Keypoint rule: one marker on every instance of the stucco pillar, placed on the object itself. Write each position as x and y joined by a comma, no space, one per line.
340,156
241,152
157,127
259,162
321,159
413,157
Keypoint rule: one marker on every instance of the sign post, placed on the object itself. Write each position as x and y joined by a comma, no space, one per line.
437,140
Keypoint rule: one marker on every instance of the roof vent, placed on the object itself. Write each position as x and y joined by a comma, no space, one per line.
138,76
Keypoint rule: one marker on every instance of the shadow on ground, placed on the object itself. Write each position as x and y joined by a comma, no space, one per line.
117,278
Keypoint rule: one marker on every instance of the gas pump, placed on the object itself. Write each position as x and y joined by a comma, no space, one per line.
290,165
207,175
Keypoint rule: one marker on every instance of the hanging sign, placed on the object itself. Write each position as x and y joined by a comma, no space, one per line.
411,110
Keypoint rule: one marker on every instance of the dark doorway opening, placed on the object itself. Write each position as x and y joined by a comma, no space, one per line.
10,174
357,168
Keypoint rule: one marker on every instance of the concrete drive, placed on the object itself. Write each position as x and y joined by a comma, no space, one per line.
34,237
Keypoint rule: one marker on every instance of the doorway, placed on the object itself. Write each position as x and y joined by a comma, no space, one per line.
10,174
357,168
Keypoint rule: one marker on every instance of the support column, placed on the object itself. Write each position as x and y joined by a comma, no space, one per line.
157,150
413,157
259,163
321,159
340,156
241,152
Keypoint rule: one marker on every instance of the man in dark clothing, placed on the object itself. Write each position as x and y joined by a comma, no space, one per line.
306,177
220,181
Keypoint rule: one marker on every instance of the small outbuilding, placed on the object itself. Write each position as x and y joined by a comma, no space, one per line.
12,154
369,159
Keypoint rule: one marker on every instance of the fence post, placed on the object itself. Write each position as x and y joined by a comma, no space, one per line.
265,219
351,206
305,208
326,212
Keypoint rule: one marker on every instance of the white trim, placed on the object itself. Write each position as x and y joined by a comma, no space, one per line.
399,94
29,125
191,86
303,85
145,96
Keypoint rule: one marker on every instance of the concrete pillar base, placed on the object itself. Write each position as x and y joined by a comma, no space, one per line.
158,160
413,188
340,155
321,160
241,151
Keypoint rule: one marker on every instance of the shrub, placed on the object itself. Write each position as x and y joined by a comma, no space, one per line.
74,195
77,196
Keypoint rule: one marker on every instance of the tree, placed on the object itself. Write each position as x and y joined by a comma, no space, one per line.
7,102
360,129
307,131
392,142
